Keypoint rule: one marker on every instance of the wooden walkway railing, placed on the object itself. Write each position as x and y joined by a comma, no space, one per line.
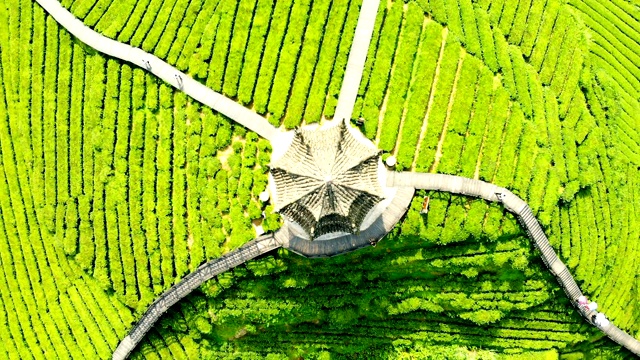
357,59
491,192
190,282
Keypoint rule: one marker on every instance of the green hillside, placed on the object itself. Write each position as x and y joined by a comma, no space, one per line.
114,185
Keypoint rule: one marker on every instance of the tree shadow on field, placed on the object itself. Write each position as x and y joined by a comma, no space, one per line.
398,295
481,290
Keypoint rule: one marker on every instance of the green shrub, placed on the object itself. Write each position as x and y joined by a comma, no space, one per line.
497,118
420,91
468,16
151,10
504,60
521,22
254,50
81,8
315,99
198,34
476,130
442,95
555,42
340,61
521,80
368,65
288,60
507,17
306,63
169,36
439,11
381,69
401,76
453,20
220,52
510,144
532,27
184,31
486,40
495,11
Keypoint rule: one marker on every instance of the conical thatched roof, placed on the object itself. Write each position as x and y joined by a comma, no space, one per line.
327,180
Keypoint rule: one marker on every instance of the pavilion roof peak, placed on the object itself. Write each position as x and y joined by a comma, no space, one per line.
327,179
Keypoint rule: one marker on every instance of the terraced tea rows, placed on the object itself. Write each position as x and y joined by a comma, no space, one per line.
114,186
285,59
114,176
536,139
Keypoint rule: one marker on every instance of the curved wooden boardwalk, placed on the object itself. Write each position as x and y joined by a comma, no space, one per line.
161,69
283,237
517,206
190,282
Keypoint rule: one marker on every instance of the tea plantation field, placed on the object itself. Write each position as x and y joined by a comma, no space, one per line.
114,185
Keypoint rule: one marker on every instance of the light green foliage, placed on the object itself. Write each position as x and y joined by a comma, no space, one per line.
238,46
477,125
288,58
471,39
542,121
381,68
306,64
257,37
511,141
439,108
221,46
401,75
326,60
340,60
113,185
457,126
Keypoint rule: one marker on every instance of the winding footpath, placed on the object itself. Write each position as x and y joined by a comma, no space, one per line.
161,69
348,93
491,192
